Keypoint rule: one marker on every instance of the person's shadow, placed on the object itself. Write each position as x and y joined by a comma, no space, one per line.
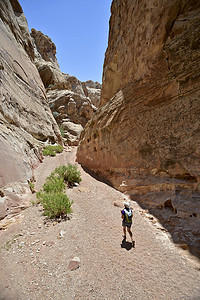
127,245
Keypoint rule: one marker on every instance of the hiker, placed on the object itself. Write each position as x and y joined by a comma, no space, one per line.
127,216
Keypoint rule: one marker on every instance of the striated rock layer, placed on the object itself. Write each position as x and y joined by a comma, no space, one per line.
25,117
145,138
72,102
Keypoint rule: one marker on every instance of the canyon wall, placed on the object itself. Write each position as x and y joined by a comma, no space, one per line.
72,102
26,120
144,140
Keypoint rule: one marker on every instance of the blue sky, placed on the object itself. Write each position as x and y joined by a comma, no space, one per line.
78,28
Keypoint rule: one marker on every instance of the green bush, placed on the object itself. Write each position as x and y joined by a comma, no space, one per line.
58,148
48,152
72,175
69,173
54,185
55,204
58,172
51,150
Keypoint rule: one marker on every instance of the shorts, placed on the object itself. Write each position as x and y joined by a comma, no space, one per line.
125,224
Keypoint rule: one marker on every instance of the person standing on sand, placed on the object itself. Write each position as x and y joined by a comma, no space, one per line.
127,216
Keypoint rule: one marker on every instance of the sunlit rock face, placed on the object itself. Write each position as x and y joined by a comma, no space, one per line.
70,99
145,137
25,117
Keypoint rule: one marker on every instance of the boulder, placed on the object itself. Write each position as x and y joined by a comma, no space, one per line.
72,132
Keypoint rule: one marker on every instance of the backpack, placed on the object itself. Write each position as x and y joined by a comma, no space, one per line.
128,215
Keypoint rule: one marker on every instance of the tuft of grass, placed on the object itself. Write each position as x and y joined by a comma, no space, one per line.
9,243
51,150
32,186
61,130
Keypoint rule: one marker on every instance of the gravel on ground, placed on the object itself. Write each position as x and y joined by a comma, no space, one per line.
84,257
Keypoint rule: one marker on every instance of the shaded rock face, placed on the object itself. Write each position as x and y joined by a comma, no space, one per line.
70,100
145,137
25,117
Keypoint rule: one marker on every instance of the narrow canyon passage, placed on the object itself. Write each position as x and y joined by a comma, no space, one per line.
36,265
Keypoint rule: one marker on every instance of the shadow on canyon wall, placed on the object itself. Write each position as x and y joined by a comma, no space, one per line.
184,229
97,176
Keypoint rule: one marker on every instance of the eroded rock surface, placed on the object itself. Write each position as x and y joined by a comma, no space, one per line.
25,117
70,99
145,137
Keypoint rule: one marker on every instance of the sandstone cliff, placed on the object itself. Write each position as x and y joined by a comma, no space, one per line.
25,117
72,102
145,137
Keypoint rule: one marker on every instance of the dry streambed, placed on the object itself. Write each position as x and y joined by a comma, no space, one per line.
84,257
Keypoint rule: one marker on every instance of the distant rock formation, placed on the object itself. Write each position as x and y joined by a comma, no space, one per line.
25,117
145,138
72,102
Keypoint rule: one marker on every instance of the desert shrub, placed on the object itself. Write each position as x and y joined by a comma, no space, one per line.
51,150
69,173
48,151
72,174
55,204
54,185
58,172
58,148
